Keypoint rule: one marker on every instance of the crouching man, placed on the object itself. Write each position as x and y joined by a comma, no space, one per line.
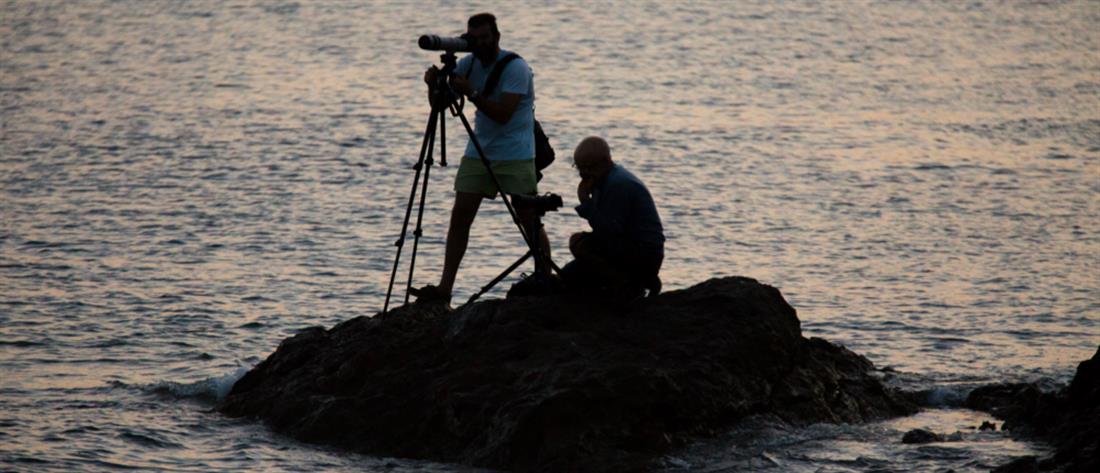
622,254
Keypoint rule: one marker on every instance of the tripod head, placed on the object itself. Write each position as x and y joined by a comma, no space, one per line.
441,93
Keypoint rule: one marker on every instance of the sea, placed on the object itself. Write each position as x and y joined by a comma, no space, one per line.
183,184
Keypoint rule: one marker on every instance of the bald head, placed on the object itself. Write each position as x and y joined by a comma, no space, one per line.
592,157
593,146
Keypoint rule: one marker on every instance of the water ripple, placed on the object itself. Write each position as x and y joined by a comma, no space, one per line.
185,184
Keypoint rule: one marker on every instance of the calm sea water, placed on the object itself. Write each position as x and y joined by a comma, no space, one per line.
184,184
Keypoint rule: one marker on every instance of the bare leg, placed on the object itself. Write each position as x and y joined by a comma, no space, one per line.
458,236
529,219
544,244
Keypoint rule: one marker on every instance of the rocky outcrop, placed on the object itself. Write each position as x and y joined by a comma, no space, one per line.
558,383
1069,420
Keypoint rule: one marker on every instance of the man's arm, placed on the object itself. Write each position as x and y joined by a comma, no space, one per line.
515,83
499,112
612,211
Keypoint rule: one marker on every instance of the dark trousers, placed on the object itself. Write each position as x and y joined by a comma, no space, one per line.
639,261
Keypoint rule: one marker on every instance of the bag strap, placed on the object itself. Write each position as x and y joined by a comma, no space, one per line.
494,75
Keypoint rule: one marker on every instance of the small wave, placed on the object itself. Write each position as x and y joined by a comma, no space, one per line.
25,343
945,396
208,390
26,460
930,392
149,439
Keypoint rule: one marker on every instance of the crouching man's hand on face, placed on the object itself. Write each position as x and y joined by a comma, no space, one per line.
584,190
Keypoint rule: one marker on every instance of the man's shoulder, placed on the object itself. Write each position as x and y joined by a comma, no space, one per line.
623,177
464,63
516,64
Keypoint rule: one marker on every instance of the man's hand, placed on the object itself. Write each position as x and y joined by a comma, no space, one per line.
430,74
584,190
461,85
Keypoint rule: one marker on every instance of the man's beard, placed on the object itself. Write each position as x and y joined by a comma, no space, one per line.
485,54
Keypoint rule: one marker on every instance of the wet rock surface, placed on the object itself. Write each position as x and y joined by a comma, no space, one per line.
1069,419
558,383
919,436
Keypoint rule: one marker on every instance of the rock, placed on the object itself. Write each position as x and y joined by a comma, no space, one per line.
555,383
1069,420
921,436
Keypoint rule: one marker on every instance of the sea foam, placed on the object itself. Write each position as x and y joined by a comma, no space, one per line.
212,389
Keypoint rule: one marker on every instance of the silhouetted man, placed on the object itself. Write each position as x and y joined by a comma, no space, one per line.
622,255
504,126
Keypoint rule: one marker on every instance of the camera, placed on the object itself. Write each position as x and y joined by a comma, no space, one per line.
433,42
540,203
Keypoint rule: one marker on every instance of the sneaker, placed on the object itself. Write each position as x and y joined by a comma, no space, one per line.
430,294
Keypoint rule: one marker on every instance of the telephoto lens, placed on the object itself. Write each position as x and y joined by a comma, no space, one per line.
433,42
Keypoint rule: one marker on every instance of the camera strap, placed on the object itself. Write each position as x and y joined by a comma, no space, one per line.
494,75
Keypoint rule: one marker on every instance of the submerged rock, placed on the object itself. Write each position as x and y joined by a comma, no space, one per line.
1070,419
557,383
920,436
923,436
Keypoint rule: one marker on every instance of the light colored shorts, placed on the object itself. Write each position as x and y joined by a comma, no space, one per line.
516,177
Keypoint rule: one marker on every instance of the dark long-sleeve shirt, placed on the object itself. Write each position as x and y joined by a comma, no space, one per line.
621,207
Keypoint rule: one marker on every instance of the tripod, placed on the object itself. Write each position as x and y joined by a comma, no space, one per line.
543,264
443,98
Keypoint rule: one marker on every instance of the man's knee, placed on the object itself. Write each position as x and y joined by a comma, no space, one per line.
576,243
465,208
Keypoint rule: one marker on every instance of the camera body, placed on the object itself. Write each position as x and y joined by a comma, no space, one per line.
540,203
433,42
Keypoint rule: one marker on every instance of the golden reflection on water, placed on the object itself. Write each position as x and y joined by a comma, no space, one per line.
186,184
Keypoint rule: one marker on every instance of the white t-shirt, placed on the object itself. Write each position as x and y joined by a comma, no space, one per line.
514,140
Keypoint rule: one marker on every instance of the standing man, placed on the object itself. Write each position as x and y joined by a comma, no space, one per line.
504,126
623,253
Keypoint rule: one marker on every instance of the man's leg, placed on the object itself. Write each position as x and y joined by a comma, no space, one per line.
458,235
587,249
529,219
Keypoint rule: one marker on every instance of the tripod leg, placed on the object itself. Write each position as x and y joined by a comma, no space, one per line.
499,278
443,137
429,132
423,194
